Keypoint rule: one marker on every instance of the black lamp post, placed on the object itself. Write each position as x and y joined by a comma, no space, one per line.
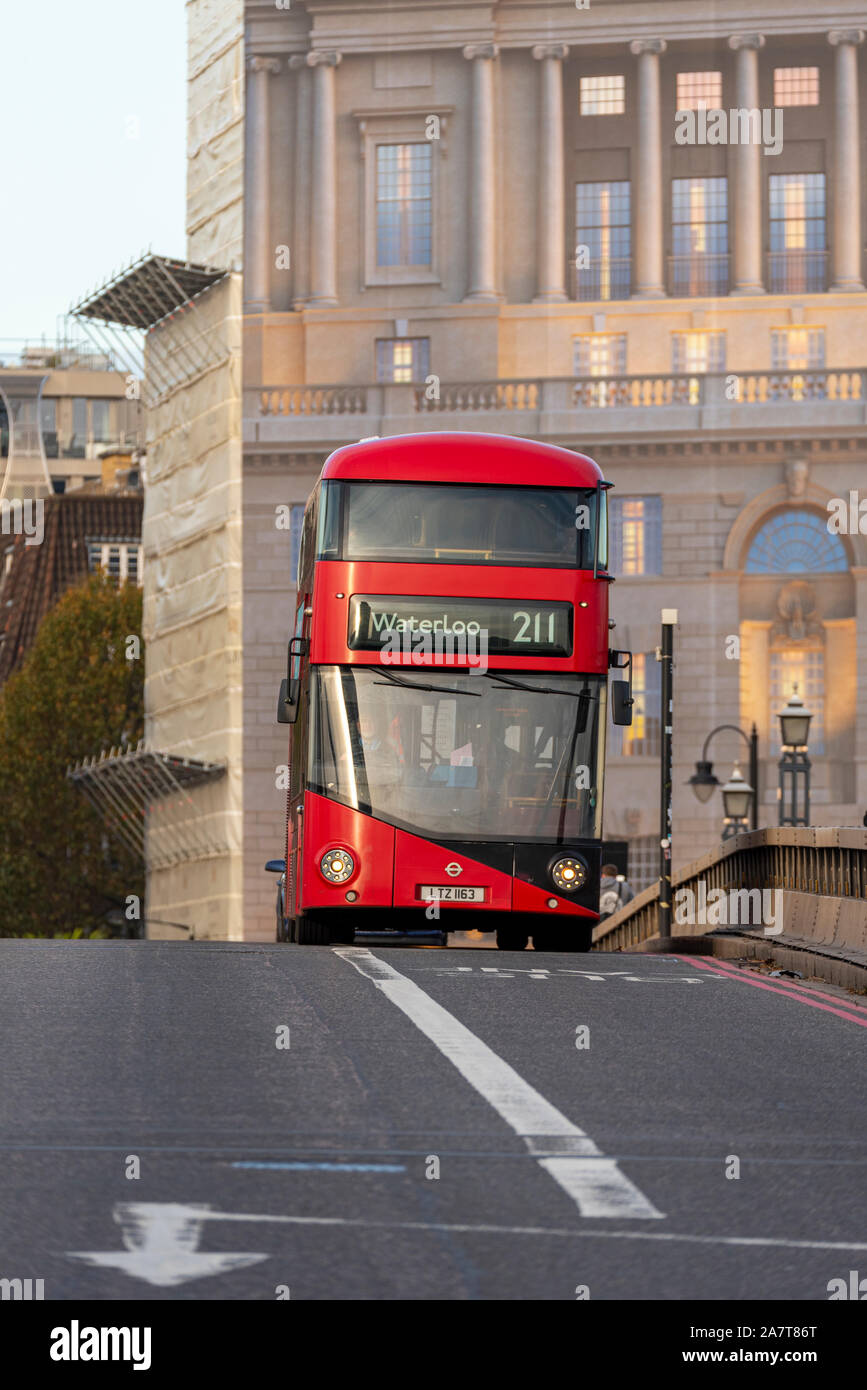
704,783
794,790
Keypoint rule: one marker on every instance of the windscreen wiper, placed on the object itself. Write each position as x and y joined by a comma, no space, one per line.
542,689
414,685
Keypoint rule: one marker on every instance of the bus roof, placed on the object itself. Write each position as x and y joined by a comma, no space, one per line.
462,457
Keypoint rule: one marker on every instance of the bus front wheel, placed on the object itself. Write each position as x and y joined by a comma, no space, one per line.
310,930
577,937
512,938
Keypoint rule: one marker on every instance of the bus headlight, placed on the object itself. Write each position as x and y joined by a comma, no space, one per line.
569,874
337,865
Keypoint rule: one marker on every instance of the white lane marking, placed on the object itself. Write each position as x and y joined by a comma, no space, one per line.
161,1240
594,1182
510,971
173,1215
562,1232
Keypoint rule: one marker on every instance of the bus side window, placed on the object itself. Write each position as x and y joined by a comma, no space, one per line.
306,554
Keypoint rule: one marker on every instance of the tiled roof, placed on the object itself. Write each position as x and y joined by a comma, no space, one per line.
40,574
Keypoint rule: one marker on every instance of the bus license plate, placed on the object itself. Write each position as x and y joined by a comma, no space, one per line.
451,893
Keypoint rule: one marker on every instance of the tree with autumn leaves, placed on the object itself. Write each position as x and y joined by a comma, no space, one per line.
79,690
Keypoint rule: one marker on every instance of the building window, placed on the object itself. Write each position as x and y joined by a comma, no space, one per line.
48,426
602,96
796,262
801,672
797,349
635,535
402,359
641,737
296,521
697,91
698,352
122,560
796,542
796,86
699,216
603,226
643,862
403,205
99,417
78,442
598,355
694,354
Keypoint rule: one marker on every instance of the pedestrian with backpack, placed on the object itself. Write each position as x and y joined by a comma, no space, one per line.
614,891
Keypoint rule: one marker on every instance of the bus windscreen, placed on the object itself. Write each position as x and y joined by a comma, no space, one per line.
462,756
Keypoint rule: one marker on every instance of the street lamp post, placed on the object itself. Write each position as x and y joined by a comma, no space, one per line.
794,764
704,783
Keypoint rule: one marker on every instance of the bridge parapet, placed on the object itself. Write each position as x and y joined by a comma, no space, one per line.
804,888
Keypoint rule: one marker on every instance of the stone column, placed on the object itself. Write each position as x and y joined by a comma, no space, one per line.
323,237
482,191
747,165
550,243
846,268
259,253
301,182
647,252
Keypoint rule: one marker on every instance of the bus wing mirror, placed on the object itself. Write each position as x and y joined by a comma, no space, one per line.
287,701
621,703
621,691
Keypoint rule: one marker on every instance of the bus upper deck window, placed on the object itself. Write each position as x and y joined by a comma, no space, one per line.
328,536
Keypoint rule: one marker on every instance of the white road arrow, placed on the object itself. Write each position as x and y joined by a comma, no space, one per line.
161,1240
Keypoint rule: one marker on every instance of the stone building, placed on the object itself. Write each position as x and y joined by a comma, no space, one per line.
491,217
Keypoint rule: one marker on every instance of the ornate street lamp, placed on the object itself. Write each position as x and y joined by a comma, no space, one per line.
704,783
794,789
737,796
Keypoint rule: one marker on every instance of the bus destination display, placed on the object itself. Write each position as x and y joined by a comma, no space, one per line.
513,626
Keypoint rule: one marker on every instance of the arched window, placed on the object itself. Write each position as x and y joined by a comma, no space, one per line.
796,542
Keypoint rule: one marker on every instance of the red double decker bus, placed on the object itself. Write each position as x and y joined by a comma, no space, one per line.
447,685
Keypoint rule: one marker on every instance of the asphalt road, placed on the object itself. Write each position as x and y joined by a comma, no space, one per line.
566,1158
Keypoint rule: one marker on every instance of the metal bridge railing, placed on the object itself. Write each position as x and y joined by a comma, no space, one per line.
827,862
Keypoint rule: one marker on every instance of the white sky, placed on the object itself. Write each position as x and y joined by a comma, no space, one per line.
82,193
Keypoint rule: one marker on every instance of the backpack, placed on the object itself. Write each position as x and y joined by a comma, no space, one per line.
609,901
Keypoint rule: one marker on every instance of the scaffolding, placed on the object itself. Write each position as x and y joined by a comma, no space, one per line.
143,796
147,317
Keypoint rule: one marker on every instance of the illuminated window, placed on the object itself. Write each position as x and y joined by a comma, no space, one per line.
402,359
602,224
803,673
698,352
600,354
797,349
602,96
796,542
796,225
699,217
403,205
635,535
796,86
699,90
641,737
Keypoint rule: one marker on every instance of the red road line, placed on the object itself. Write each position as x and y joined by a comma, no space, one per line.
733,973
